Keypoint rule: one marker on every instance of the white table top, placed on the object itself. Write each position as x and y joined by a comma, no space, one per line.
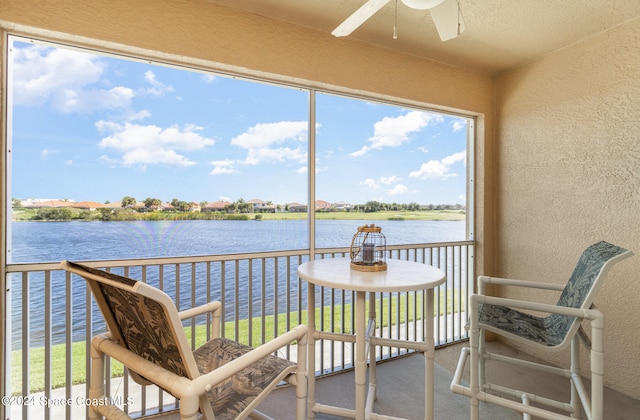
400,276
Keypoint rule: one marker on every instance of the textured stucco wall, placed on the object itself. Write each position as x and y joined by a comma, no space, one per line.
569,175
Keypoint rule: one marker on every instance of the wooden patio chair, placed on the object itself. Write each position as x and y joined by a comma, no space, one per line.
553,332
222,379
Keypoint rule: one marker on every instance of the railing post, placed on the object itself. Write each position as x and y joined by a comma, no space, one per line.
597,366
311,349
474,344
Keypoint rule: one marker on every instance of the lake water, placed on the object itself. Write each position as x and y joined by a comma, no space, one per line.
56,241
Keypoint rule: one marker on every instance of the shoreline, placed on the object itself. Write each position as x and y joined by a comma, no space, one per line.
419,215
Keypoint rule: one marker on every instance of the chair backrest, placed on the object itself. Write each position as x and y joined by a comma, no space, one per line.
141,318
584,284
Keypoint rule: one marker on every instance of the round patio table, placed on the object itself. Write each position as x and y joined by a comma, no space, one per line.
400,276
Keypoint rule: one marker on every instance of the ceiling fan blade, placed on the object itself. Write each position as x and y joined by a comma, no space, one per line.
359,17
448,19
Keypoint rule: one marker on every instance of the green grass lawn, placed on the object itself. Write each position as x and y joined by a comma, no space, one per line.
36,357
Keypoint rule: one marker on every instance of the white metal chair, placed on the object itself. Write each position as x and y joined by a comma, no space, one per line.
561,327
146,335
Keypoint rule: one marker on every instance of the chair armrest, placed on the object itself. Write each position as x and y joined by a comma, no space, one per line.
535,306
174,384
483,280
214,307
199,310
207,381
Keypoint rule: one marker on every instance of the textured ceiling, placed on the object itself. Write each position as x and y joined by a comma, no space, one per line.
499,35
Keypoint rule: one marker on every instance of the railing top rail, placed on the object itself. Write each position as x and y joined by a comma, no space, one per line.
26,267
431,245
21,267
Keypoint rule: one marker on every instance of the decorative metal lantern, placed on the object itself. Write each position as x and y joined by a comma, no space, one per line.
368,249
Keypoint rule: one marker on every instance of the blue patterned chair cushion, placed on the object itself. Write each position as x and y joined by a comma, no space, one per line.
552,330
523,325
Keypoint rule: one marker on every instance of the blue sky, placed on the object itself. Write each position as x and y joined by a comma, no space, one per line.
92,127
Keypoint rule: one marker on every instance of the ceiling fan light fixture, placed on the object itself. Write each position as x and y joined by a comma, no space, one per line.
422,4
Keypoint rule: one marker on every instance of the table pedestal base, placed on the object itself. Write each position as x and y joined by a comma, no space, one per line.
364,339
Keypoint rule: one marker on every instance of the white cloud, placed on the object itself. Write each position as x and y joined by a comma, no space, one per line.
45,153
208,78
439,168
373,184
139,115
89,100
456,157
395,131
109,161
274,142
398,189
145,157
62,79
388,180
268,143
266,134
370,183
157,87
280,154
223,167
459,125
150,144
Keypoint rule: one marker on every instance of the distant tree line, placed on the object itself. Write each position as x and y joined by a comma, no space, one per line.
242,206
374,206
183,210
153,204
107,214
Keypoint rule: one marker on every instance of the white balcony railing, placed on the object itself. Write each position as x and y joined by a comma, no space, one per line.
53,318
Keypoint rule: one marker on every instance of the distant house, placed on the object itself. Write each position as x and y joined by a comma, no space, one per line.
215,206
297,207
49,204
57,204
256,204
259,206
342,206
35,202
87,205
113,205
322,205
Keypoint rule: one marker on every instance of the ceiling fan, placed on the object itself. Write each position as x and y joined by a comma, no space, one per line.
446,15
